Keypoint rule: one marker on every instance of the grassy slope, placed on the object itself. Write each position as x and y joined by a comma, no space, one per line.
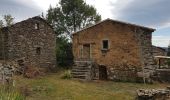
52,87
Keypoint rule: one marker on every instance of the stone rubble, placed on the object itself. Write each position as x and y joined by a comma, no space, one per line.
153,94
6,72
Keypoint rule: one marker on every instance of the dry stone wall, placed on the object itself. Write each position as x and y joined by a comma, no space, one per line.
7,70
32,39
153,94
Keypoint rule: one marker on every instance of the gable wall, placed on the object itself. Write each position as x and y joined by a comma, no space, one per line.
24,39
129,47
122,44
158,51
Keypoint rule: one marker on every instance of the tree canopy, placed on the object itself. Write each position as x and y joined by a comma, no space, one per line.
71,15
7,20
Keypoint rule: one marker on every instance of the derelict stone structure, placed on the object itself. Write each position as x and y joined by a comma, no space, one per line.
158,51
31,40
119,50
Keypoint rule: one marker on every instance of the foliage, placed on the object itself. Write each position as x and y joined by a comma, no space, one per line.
71,15
10,93
7,20
1,24
67,74
63,51
67,17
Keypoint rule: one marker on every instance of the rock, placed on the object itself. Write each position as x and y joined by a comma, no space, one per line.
153,94
6,72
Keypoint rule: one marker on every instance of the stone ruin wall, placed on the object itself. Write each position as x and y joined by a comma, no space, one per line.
7,71
24,40
129,72
153,94
158,51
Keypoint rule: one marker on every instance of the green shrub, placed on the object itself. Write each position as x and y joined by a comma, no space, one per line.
67,74
10,93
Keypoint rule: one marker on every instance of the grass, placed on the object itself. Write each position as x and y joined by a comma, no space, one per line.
53,87
10,93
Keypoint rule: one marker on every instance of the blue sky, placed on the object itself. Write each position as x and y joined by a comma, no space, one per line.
151,13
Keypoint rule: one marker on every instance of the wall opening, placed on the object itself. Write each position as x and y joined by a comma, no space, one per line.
105,44
36,26
38,50
102,73
86,51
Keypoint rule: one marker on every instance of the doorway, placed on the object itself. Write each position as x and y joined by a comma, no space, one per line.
102,73
86,51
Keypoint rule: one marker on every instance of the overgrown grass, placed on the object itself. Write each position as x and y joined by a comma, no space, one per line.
53,87
10,93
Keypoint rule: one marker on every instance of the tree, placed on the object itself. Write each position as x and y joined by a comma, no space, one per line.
63,52
7,20
71,15
1,24
168,50
68,17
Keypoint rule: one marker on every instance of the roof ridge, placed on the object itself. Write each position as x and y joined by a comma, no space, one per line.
115,21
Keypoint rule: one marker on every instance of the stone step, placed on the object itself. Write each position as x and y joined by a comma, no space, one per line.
81,65
78,73
75,70
79,76
80,68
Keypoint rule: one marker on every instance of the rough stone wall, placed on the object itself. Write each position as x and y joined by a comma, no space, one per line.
7,70
157,51
153,94
35,46
144,38
129,48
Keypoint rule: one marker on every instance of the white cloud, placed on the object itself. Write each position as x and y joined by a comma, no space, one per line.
162,41
103,7
151,13
44,4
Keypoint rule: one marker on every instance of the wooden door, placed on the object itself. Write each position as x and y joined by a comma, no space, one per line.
86,51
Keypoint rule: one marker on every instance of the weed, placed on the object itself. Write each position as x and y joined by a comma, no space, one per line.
67,75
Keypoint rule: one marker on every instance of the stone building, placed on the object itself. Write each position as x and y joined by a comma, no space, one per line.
112,50
31,40
158,51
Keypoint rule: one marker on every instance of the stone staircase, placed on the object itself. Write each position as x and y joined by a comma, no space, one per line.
82,70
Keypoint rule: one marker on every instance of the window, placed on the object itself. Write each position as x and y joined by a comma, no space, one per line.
38,50
36,26
105,44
